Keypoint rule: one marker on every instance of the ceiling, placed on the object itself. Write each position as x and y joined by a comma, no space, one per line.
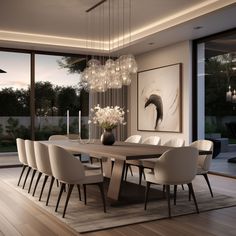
63,25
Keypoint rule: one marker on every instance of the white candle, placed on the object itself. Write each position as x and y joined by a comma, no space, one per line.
234,97
229,95
68,121
79,122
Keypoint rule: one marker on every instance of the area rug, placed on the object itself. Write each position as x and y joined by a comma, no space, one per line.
87,218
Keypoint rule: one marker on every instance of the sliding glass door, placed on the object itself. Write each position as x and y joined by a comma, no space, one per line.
14,99
36,92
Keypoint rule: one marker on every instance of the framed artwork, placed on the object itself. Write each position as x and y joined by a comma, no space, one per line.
159,99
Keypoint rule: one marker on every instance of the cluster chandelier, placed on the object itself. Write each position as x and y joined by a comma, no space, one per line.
104,73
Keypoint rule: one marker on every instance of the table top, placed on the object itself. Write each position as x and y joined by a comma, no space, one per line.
119,150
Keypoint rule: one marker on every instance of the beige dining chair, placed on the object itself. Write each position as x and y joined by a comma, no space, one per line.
44,167
175,142
132,139
174,167
30,154
20,143
70,171
57,137
204,161
151,140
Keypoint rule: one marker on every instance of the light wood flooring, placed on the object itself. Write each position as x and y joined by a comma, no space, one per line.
20,216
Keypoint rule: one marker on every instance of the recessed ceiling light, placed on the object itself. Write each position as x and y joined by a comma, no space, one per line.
198,27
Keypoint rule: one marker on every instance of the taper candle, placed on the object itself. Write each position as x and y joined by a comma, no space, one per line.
68,122
79,122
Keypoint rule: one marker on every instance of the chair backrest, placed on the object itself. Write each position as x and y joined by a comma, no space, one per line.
177,166
204,161
57,137
30,154
73,136
175,142
134,139
42,158
153,140
65,167
20,143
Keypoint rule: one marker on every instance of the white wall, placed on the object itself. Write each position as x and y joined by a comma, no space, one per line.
177,53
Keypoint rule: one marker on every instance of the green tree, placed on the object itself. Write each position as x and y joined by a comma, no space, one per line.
68,99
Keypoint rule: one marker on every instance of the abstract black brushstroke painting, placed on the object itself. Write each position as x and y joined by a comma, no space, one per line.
159,99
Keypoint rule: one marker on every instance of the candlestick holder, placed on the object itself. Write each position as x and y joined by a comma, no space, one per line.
85,141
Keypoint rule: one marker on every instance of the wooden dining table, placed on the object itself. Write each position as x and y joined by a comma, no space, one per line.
119,153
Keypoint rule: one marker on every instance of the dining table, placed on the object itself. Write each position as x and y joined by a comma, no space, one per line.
115,157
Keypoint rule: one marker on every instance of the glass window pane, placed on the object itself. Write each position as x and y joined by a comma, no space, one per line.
56,91
14,99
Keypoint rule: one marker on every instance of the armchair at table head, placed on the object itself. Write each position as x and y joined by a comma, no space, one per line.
204,161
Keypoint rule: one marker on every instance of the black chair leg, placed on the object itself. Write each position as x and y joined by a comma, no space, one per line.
190,186
50,189
101,187
130,169
59,196
182,186
71,186
101,165
175,193
146,195
208,183
44,183
78,187
85,194
22,171
36,184
168,199
26,177
126,171
140,168
31,181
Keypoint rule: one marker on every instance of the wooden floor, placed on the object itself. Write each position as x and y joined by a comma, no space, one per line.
20,216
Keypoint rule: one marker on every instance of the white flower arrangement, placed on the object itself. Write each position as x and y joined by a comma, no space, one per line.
108,117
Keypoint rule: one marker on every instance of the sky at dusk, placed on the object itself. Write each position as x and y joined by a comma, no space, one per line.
17,66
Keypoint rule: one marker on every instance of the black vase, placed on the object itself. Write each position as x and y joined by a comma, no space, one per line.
107,137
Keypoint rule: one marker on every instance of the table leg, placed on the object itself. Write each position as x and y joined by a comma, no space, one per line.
116,180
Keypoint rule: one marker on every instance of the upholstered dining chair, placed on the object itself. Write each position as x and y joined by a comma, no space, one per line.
175,142
20,143
30,154
44,167
152,140
69,170
204,161
57,137
132,139
174,167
